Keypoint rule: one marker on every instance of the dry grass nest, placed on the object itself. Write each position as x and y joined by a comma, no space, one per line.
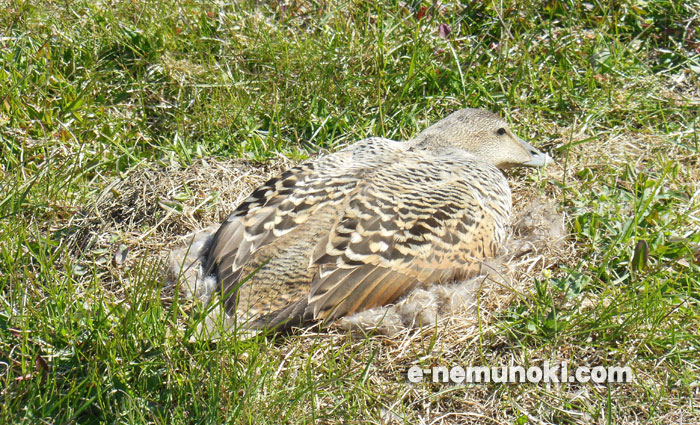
139,218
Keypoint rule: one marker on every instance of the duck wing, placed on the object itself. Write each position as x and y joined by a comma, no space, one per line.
286,202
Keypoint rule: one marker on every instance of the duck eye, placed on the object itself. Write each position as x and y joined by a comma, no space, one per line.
501,131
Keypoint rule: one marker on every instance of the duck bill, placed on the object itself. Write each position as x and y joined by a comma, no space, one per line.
538,158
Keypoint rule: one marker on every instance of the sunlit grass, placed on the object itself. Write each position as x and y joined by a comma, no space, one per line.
91,89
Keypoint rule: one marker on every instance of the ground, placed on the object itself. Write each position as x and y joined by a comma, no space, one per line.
127,125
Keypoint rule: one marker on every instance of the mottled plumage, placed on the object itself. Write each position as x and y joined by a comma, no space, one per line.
361,227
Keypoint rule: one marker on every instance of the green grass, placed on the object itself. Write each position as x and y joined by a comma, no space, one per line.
89,90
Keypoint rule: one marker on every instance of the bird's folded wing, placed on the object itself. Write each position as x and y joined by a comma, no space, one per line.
286,201
411,223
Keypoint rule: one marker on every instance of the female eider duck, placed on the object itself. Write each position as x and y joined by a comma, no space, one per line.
362,227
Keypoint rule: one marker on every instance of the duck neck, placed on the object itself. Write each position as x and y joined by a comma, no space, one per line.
428,141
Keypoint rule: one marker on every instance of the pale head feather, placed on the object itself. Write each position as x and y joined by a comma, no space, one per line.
483,134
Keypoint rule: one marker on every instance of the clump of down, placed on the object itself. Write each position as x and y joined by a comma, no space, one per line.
185,266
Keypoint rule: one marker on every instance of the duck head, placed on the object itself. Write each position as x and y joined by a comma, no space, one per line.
483,134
